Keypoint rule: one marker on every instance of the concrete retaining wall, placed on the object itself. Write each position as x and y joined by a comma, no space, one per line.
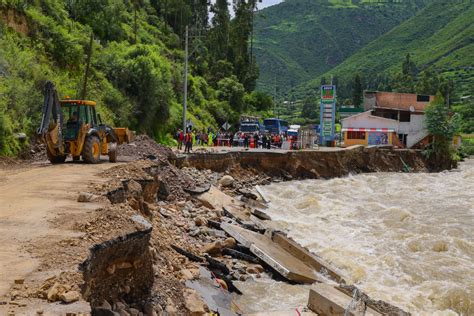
309,164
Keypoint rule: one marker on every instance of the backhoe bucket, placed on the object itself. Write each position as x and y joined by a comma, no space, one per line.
124,135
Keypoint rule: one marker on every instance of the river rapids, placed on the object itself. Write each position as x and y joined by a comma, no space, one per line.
407,239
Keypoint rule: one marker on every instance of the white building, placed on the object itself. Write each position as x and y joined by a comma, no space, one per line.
399,113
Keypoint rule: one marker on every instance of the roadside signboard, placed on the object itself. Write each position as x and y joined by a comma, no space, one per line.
328,94
327,113
226,126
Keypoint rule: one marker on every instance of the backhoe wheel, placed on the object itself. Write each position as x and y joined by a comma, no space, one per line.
91,150
55,159
112,152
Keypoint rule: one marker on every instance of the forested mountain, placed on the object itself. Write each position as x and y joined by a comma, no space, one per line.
298,40
137,62
440,42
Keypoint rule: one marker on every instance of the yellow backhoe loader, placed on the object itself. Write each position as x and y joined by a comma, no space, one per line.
73,127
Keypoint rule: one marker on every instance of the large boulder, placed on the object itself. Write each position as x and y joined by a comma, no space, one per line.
227,181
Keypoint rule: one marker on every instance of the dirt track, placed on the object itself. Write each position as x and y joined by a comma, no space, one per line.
30,198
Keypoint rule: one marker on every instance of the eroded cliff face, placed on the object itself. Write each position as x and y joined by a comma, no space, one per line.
310,164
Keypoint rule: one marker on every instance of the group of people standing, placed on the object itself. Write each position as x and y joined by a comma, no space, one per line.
259,140
192,138
240,139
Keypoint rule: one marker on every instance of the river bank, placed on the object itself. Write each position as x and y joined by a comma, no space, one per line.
156,229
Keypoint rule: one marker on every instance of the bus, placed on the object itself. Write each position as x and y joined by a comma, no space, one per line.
249,124
275,126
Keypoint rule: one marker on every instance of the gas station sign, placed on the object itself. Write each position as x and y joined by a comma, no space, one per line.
328,94
327,113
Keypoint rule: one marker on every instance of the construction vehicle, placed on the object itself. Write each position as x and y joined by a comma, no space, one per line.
74,128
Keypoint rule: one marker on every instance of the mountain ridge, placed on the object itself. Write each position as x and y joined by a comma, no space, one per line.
298,40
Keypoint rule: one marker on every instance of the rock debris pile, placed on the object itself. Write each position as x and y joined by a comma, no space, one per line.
158,228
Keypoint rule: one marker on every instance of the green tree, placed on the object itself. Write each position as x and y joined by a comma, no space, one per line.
442,125
219,34
177,13
409,67
201,15
323,81
466,110
357,91
259,101
404,81
428,83
232,91
105,17
245,67
446,88
219,70
310,109
145,77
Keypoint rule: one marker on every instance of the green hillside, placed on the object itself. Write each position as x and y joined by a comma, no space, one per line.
439,38
298,40
137,65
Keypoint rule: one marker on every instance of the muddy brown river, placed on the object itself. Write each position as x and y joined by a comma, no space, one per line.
407,239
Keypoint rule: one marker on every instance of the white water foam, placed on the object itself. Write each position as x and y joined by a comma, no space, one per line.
407,239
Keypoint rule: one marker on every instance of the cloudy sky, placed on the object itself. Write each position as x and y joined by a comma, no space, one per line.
263,4
267,3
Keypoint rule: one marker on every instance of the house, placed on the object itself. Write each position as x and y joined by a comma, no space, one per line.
390,118
349,110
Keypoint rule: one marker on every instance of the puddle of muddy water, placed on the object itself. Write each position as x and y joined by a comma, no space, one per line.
407,239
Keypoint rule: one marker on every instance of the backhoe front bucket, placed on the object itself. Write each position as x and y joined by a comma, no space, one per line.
124,135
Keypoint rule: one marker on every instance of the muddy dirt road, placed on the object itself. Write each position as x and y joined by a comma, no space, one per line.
30,198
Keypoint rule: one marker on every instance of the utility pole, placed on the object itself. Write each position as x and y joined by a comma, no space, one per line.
196,30
185,97
251,36
86,74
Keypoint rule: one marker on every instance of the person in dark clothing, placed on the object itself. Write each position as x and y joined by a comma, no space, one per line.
264,141
188,142
256,138
246,141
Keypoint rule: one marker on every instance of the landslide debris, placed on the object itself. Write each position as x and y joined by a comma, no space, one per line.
142,147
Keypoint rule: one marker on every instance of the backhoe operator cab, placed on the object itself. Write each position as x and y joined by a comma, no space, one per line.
73,127
84,133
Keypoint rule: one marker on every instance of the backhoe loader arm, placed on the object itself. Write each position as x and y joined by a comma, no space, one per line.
51,111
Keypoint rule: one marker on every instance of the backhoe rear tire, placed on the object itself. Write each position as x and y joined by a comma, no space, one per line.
112,152
91,150
55,159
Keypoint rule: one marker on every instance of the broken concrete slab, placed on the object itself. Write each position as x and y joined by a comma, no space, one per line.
237,211
272,254
262,194
326,300
216,298
253,203
216,199
307,257
260,214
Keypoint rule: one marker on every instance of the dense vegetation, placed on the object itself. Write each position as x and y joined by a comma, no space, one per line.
439,39
429,53
442,126
299,40
136,72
